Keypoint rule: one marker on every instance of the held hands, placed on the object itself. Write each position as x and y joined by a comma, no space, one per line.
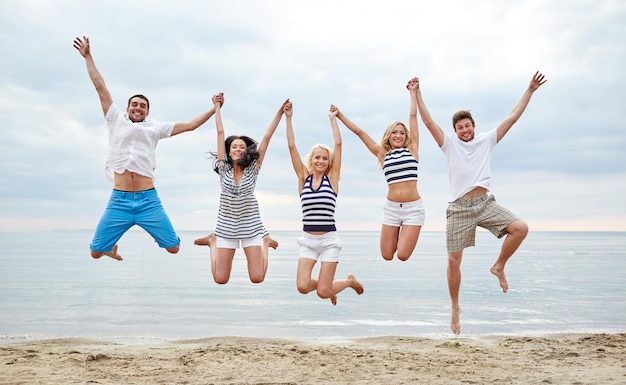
413,84
288,108
82,46
333,112
218,99
537,80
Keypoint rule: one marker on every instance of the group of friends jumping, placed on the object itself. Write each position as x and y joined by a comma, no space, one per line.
130,165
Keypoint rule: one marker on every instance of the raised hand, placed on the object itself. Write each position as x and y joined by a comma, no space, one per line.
218,99
288,108
82,45
537,80
332,113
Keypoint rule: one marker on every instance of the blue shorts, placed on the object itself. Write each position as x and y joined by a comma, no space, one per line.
126,209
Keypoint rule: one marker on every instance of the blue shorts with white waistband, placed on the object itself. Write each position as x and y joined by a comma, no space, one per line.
128,208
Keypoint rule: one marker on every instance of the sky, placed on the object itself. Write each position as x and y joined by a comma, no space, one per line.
561,167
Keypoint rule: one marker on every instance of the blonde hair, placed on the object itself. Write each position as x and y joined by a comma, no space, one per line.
384,142
309,157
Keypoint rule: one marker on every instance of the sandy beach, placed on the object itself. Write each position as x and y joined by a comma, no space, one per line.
555,359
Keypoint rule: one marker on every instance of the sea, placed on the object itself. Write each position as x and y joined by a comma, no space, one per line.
559,282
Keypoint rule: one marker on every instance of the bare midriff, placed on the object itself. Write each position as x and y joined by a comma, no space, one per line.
131,181
403,192
476,192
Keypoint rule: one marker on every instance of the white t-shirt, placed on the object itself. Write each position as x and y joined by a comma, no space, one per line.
132,145
469,163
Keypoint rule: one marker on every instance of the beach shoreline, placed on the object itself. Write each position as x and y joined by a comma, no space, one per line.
550,359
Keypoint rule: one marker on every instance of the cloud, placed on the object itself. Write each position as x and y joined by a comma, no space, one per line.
560,167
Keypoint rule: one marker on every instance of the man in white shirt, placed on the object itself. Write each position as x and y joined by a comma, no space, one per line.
130,165
469,202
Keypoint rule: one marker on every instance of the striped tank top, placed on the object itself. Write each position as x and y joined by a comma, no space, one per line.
400,166
318,206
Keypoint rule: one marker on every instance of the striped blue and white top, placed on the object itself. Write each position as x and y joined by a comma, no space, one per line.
238,215
318,206
400,166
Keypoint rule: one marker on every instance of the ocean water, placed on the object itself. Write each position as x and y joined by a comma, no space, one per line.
560,282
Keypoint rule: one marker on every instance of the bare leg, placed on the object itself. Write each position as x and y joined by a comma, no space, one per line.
270,242
517,232
304,282
454,285
205,241
257,257
407,241
329,287
388,241
219,276
112,254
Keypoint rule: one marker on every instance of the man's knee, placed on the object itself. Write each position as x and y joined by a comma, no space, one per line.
173,250
454,260
518,228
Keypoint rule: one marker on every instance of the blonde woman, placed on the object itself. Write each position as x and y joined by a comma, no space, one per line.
318,185
397,154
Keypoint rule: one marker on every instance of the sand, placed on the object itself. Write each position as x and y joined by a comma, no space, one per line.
555,359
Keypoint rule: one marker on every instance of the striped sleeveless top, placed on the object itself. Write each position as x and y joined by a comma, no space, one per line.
318,206
399,166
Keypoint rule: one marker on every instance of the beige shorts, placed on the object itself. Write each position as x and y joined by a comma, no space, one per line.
465,214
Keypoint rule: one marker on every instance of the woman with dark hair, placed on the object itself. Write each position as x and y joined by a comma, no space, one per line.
238,161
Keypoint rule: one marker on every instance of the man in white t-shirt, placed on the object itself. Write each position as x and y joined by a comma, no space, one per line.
469,202
130,165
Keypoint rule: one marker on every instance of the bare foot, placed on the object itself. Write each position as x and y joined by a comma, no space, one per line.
501,277
270,242
455,321
113,254
205,241
333,300
356,285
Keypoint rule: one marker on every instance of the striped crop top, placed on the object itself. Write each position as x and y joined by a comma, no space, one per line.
318,206
400,166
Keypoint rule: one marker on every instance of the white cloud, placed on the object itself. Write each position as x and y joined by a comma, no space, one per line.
561,167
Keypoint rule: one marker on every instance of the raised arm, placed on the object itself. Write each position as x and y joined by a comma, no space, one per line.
413,128
298,166
430,124
217,107
270,131
335,170
504,127
82,45
371,145
199,120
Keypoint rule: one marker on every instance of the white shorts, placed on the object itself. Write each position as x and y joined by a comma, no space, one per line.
407,213
324,247
226,243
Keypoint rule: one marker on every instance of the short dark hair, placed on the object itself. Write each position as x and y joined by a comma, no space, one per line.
251,154
141,97
460,115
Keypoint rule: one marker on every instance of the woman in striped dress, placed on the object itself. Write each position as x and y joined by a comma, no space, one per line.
397,154
318,185
239,221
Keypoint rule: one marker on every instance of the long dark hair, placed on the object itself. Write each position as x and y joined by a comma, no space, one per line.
250,155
